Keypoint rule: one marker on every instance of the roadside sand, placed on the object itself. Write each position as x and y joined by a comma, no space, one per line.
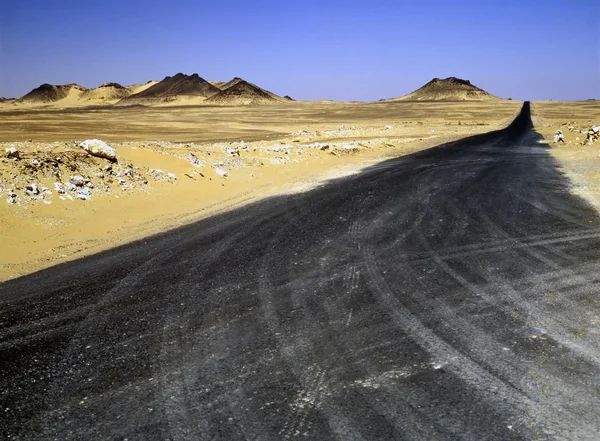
580,163
288,153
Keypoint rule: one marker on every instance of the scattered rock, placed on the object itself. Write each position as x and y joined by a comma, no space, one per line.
12,152
193,159
592,135
96,147
59,187
77,180
558,136
31,189
221,172
83,194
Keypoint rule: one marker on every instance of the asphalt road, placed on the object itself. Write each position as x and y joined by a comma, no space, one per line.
450,294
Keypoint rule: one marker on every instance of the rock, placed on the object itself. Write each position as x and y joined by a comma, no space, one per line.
349,147
107,168
221,172
12,152
96,147
193,159
128,172
558,136
388,127
83,194
77,180
31,189
59,187
172,175
71,187
89,185
36,163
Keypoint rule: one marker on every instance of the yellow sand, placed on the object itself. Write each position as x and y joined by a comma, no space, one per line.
35,236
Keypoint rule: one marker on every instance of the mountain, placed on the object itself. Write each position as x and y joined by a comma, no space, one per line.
174,88
448,89
48,93
106,92
240,92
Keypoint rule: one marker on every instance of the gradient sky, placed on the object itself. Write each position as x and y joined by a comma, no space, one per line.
342,50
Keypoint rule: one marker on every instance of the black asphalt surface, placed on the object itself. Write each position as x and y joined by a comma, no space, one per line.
451,294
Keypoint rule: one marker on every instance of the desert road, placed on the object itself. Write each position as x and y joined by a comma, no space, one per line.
450,294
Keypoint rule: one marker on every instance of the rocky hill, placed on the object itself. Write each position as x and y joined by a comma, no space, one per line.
174,88
106,92
48,93
448,89
240,92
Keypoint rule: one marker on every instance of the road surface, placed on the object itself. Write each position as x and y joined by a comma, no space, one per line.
450,294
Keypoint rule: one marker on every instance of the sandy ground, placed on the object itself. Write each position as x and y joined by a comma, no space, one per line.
157,185
580,163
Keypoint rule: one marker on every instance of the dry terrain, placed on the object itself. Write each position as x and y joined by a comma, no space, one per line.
171,162
580,162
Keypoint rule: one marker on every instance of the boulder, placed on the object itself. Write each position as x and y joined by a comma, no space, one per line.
96,147
12,152
77,181
558,136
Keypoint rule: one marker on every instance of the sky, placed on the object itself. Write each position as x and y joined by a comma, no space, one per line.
340,50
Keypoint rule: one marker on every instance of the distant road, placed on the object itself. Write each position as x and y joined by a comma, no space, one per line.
450,294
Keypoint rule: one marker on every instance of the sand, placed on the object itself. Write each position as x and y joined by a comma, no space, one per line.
36,235
580,163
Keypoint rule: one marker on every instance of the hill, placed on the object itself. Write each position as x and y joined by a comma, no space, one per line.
240,92
174,88
219,84
448,89
48,93
106,92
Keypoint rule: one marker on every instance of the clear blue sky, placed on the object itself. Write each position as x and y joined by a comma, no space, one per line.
343,50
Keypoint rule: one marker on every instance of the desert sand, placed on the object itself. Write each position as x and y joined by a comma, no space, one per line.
579,162
157,185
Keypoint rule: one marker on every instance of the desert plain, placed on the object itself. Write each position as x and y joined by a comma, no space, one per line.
179,163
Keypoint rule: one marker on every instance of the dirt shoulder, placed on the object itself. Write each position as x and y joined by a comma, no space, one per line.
579,162
57,203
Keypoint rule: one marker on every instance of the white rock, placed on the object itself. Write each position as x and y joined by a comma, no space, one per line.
349,147
83,193
77,180
221,172
59,187
388,127
99,148
172,175
12,152
31,189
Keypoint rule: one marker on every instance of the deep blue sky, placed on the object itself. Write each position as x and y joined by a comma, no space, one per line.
343,50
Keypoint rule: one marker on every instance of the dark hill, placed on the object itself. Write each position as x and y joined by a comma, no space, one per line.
176,86
448,89
241,92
